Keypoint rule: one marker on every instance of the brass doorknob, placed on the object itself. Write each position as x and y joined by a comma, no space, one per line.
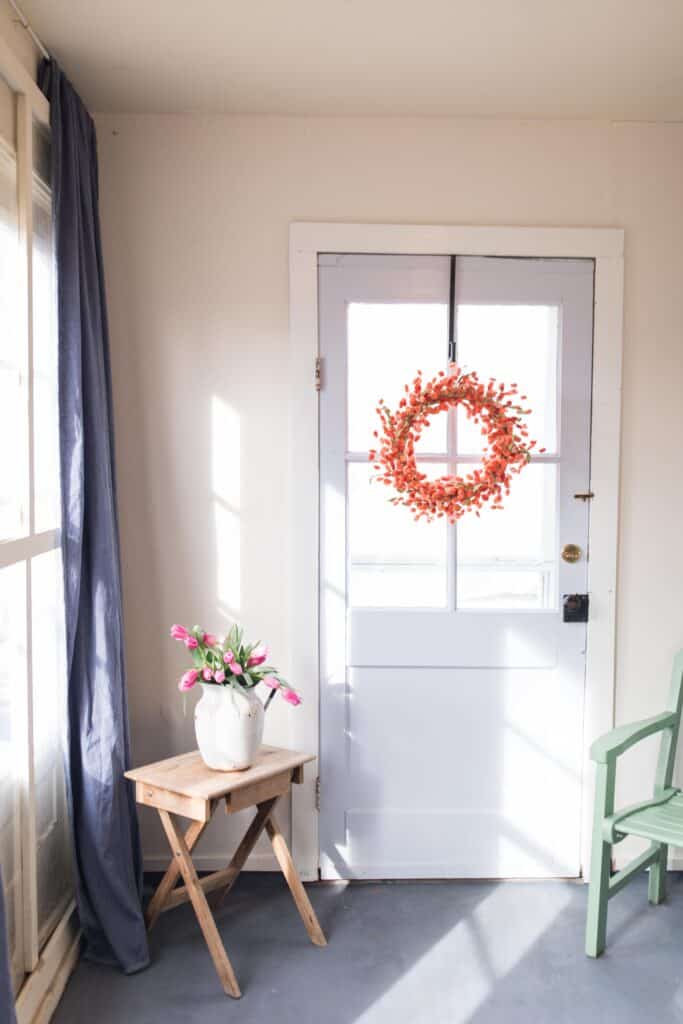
571,552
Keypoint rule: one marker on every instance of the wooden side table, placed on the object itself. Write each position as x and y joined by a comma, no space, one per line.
185,786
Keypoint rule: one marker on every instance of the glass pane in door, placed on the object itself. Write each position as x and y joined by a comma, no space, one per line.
387,343
508,559
514,344
393,562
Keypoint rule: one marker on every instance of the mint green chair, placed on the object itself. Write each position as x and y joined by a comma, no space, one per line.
659,819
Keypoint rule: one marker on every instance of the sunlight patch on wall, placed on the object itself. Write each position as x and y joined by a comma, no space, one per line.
226,497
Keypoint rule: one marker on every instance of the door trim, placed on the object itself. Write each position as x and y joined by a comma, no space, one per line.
306,242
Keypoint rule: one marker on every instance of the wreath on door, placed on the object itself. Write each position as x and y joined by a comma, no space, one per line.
507,449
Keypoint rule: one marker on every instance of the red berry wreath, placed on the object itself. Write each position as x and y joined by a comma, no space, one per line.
507,449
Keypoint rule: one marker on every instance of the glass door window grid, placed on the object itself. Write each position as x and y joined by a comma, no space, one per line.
465,566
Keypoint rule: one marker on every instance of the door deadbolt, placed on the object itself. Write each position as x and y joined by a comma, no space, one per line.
571,553
575,607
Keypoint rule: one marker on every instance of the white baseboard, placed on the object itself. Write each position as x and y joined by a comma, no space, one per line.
43,989
214,862
266,862
56,989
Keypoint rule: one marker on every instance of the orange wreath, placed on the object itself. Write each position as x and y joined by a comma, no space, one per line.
507,449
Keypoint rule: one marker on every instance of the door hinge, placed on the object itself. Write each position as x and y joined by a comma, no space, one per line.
317,794
318,373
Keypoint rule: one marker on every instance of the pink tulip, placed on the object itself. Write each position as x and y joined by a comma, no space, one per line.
291,697
258,656
191,642
220,676
207,674
272,682
189,679
235,668
178,632
228,657
210,640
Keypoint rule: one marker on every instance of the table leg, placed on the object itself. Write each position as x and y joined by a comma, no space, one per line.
161,894
246,846
303,904
201,908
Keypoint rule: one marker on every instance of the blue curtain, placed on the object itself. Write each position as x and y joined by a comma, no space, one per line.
6,997
108,864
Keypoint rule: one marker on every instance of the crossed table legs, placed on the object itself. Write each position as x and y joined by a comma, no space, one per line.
195,889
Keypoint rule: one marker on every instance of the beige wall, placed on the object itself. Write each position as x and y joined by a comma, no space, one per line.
195,217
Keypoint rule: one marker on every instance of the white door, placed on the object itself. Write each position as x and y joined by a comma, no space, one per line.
452,691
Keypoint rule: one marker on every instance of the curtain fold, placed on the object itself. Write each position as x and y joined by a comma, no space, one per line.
108,863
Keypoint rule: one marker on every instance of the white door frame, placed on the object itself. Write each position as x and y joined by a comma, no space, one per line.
307,240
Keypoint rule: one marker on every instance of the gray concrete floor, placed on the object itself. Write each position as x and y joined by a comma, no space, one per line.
418,952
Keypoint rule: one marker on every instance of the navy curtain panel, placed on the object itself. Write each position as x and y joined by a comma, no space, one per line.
6,998
108,863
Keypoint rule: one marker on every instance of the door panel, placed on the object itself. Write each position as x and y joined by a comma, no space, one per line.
451,689
452,640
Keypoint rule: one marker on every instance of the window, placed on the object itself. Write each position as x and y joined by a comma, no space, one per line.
34,839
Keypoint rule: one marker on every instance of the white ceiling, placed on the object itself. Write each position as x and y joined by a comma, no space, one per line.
617,59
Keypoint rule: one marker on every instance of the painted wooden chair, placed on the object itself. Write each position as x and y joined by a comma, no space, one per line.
659,819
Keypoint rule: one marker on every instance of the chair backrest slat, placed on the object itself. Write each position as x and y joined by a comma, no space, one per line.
669,741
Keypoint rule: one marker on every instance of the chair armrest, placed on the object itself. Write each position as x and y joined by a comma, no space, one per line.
614,743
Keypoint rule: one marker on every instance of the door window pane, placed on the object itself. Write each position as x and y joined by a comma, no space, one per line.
49,700
508,559
13,363
387,344
514,344
392,560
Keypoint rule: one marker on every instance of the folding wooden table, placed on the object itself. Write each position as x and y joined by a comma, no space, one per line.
184,786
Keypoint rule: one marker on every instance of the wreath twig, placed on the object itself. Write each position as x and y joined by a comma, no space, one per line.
507,449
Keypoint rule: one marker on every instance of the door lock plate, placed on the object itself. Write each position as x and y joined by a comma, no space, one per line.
575,607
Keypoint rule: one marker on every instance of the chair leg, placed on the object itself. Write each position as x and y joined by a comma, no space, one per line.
598,897
656,888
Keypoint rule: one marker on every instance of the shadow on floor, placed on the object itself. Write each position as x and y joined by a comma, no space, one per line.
413,952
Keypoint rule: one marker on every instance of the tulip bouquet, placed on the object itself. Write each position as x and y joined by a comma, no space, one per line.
230,662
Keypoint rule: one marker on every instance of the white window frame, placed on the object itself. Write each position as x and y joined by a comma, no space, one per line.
47,969
307,240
